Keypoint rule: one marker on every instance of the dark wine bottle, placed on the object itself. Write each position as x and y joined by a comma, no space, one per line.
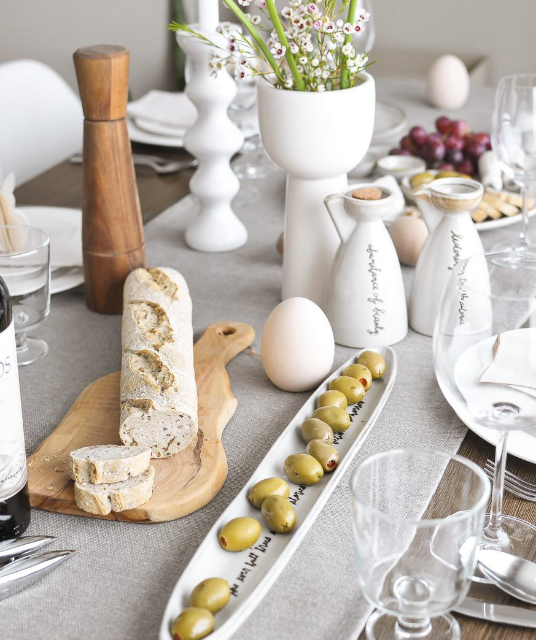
14,500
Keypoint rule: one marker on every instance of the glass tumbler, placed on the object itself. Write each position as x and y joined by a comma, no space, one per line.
25,268
417,517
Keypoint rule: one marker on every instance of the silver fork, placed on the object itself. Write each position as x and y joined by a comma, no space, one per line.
514,483
159,165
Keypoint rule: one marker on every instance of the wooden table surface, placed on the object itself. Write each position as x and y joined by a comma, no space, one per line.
62,186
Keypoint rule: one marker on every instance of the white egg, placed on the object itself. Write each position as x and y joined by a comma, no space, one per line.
448,83
408,234
297,345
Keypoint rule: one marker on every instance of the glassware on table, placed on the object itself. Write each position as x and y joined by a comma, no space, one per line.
25,268
417,517
485,363
513,139
364,40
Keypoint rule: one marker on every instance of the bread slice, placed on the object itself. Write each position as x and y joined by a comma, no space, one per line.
158,389
108,463
118,496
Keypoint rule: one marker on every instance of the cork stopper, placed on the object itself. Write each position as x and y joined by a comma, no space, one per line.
367,193
102,75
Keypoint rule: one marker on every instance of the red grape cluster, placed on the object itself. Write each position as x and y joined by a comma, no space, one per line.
452,148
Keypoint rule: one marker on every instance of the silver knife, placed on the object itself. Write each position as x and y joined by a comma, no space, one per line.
19,547
492,612
19,574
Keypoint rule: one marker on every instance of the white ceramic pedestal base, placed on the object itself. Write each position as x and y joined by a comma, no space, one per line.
213,140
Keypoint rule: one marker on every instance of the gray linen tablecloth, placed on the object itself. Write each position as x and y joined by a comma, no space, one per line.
118,583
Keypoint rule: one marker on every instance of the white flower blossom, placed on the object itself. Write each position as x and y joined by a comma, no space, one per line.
357,27
215,64
321,88
295,3
361,60
348,28
261,4
315,62
338,37
294,48
309,47
289,82
224,28
256,19
303,60
317,72
339,23
330,45
329,27
364,15
278,50
348,50
325,74
286,12
244,3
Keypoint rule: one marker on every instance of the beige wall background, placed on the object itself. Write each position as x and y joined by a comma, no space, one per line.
51,30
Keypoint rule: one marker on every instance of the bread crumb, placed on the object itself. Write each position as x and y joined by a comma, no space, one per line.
46,459
50,487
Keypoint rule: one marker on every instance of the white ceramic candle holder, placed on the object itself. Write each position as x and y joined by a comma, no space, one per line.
213,139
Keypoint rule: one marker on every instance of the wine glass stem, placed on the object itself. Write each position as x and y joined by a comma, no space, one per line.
20,339
524,235
494,530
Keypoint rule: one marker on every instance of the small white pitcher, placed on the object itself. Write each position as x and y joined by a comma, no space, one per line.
446,205
366,303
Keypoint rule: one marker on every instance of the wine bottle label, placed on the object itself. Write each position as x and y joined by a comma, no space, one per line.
12,453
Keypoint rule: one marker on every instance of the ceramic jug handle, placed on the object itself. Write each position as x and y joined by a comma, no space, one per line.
335,206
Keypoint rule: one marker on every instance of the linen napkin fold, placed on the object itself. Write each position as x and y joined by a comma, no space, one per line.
165,107
10,240
518,371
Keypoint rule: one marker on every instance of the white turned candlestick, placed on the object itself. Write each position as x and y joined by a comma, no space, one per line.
208,15
213,139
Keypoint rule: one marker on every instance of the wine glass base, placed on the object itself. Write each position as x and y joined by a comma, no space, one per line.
381,626
32,350
510,246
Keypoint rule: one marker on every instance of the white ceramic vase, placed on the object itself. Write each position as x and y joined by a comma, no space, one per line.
213,140
366,301
316,138
446,205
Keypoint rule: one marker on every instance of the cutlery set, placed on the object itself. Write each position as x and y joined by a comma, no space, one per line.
21,565
158,164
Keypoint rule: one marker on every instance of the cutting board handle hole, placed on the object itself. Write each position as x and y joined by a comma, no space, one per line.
227,331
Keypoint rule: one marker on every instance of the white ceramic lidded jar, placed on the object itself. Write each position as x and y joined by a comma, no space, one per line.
366,301
316,138
446,206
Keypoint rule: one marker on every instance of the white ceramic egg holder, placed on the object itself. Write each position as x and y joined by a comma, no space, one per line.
213,139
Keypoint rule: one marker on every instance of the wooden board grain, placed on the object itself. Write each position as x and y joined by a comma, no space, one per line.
184,482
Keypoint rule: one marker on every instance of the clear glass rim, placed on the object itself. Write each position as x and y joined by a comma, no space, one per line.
17,254
481,503
511,76
488,257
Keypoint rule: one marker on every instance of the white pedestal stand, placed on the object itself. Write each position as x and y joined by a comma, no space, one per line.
213,140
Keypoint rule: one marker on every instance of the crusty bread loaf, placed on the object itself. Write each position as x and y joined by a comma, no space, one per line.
119,496
158,390
107,463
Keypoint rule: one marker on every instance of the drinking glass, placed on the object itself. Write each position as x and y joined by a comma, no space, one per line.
513,139
417,517
25,268
485,363
364,41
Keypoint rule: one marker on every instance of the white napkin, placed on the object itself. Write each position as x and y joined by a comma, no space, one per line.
164,107
518,371
10,240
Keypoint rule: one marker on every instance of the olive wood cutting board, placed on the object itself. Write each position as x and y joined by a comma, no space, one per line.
183,483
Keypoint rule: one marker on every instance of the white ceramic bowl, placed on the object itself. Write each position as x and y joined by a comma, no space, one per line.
400,166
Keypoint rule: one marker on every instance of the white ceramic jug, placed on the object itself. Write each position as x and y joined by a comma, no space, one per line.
366,303
446,205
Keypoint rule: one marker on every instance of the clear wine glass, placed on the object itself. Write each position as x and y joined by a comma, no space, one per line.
25,268
364,40
485,363
417,518
513,139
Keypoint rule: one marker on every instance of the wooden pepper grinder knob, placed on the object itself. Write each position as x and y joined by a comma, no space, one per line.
112,229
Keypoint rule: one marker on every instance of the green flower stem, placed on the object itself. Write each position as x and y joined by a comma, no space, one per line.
272,9
345,74
254,34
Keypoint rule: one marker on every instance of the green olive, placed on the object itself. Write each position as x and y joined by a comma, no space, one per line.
265,488
279,514
421,178
336,418
314,428
193,624
302,468
374,363
447,174
332,399
212,594
239,534
325,453
352,388
361,373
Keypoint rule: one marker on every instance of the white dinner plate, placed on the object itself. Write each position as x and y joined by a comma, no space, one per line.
390,121
60,222
487,225
159,128
252,572
521,444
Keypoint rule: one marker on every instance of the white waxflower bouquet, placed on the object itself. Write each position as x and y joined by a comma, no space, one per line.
307,46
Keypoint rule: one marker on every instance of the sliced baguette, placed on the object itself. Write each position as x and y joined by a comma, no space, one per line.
118,496
107,463
158,389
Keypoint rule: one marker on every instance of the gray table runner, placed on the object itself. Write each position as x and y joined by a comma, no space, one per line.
118,583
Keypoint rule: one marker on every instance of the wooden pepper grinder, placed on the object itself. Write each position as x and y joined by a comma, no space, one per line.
112,229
